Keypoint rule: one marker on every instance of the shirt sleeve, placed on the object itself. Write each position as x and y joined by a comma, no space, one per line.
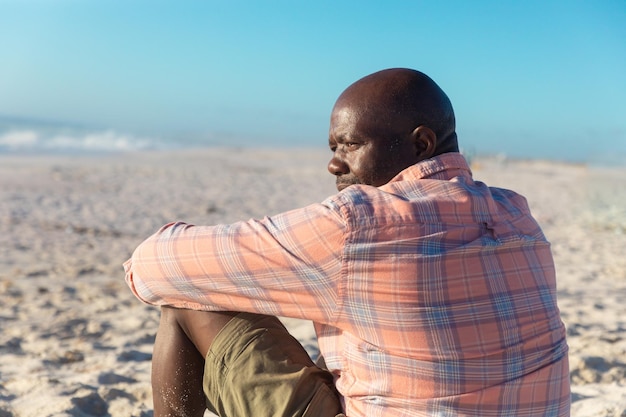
288,265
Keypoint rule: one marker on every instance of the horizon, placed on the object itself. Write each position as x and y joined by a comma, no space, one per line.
533,80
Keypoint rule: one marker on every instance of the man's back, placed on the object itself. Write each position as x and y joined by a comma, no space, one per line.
446,302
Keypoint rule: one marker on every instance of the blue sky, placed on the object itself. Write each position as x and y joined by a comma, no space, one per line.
528,79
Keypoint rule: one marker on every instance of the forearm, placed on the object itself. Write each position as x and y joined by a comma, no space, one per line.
149,272
279,266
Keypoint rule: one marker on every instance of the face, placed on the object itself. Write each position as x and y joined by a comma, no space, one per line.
365,151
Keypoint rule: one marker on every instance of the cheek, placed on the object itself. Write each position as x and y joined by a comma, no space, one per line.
358,165
380,170
371,165
366,169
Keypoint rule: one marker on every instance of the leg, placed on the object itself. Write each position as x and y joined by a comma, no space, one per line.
178,363
255,367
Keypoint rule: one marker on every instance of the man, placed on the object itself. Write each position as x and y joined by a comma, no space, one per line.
431,293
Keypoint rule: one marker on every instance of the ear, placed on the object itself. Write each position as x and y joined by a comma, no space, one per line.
425,141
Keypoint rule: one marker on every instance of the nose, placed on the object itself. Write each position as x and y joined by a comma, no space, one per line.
337,167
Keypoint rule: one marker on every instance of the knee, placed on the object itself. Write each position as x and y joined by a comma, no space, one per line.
173,319
200,327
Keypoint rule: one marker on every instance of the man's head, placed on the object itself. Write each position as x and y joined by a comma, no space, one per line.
386,122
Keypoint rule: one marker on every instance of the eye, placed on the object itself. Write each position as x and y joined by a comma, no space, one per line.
351,145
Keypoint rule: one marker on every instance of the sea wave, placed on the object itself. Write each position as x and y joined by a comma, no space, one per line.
33,140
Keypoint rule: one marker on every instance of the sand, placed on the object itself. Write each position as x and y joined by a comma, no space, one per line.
75,342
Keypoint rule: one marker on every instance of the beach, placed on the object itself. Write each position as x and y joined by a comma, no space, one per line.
75,342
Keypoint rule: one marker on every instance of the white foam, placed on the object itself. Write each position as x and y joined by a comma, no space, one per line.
17,139
32,140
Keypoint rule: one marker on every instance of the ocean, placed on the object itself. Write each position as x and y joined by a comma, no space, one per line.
28,136
31,136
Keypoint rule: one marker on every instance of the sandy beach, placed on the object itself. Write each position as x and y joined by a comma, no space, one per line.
75,342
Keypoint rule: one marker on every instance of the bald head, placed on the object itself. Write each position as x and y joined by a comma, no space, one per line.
386,122
399,100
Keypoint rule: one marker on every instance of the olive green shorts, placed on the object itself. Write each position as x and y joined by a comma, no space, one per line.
256,368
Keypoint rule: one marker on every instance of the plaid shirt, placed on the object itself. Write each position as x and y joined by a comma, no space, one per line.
433,295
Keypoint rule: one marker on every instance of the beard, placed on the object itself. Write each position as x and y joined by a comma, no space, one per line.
345,181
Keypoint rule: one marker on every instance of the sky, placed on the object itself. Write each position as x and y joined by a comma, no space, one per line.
541,79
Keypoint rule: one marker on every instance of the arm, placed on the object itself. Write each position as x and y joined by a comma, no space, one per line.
286,265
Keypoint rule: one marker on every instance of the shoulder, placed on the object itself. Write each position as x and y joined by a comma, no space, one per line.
362,205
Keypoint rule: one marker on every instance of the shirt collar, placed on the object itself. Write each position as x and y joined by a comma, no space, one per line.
442,167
